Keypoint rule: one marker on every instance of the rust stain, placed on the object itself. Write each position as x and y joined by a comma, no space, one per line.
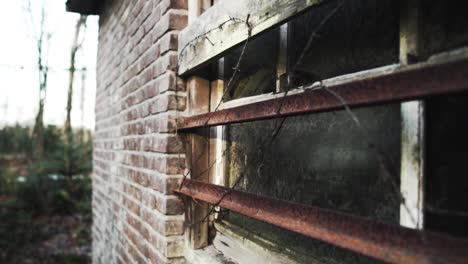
403,85
389,243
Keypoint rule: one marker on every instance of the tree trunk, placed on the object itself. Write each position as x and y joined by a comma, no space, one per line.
38,130
68,128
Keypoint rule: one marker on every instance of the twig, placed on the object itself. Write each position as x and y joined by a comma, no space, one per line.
314,34
228,86
203,35
277,128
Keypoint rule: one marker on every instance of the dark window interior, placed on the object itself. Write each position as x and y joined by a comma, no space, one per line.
257,71
444,26
446,174
324,160
360,35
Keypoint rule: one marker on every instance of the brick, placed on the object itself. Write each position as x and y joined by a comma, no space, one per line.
167,82
168,205
169,42
175,4
175,247
136,166
169,21
168,62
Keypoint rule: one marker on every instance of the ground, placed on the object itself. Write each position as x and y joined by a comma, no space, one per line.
28,238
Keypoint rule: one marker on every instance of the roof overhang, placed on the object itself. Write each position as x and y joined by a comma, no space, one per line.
84,7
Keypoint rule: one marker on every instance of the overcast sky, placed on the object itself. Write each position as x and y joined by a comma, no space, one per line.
19,85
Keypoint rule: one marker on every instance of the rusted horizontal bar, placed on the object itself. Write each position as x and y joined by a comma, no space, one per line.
389,243
409,83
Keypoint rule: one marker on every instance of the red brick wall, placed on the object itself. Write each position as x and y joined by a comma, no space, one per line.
136,217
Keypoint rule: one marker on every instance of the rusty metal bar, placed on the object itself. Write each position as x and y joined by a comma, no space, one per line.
390,243
409,83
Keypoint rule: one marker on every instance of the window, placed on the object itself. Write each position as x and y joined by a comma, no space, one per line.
330,80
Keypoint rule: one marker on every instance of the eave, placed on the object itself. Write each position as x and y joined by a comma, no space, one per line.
84,7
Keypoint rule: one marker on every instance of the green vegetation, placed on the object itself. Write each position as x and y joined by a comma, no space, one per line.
15,139
35,192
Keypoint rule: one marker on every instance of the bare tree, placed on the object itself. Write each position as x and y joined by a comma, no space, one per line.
76,45
42,40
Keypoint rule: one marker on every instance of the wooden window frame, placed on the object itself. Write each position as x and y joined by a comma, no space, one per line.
406,82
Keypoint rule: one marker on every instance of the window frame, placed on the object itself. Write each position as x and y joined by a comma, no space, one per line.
406,82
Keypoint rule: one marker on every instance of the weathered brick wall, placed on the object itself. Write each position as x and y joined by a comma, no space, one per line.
136,217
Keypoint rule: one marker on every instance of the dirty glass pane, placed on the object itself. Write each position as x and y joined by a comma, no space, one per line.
357,36
325,160
257,68
444,27
446,179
